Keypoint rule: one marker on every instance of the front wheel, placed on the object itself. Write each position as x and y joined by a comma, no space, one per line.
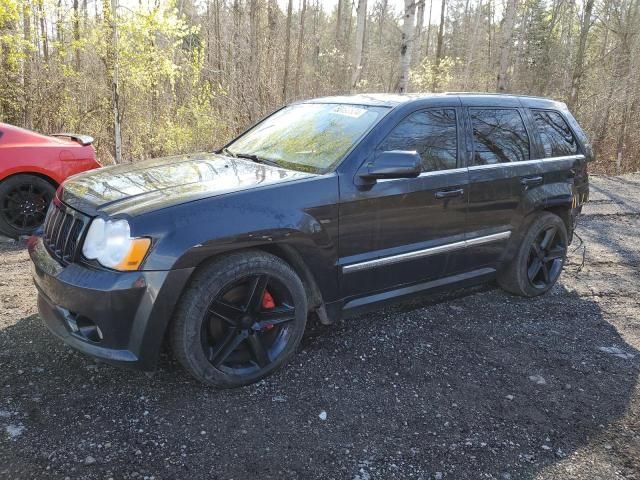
241,318
539,259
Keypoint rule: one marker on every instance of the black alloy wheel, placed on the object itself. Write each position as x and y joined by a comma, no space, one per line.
541,249
24,200
240,319
248,325
546,258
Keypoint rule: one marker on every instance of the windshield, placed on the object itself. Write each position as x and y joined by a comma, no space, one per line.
311,137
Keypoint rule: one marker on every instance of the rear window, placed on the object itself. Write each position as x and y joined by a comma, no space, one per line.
556,136
499,136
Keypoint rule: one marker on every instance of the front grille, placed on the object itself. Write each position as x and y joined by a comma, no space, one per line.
63,229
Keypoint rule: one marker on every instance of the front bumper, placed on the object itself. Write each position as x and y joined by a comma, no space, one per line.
118,317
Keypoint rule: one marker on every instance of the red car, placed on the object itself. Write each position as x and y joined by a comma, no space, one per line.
31,168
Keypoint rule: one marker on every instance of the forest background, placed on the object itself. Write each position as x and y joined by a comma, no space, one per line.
154,77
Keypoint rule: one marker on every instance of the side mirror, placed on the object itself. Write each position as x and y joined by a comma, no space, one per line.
392,164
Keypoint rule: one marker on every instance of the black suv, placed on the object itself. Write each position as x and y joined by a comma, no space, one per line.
328,206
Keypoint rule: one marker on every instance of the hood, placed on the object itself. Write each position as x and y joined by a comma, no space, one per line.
153,184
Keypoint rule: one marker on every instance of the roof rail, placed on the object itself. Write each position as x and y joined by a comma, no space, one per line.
497,94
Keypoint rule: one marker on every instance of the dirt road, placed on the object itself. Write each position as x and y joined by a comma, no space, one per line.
477,384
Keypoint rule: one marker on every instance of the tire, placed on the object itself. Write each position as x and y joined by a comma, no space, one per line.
24,200
539,258
226,333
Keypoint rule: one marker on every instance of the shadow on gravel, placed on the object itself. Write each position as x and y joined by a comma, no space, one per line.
483,385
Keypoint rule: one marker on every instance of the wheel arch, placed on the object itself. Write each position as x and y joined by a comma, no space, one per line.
285,252
564,212
561,209
42,175
288,254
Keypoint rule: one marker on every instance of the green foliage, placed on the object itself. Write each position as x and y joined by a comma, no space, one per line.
430,73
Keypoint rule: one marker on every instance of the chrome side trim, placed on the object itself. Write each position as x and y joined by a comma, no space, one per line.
527,162
402,257
566,157
427,174
487,239
502,165
490,166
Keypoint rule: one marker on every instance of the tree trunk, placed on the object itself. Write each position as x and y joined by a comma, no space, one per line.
339,23
489,41
110,9
439,45
254,58
359,45
407,44
383,13
578,69
27,66
417,46
76,34
218,35
299,65
43,30
272,39
59,27
287,51
472,45
426,50
505,45
316,48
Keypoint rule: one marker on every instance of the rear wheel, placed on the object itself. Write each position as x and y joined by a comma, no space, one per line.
24,200
539,259
241,319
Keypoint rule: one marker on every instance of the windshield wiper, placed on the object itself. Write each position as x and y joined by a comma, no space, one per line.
228,152
254,158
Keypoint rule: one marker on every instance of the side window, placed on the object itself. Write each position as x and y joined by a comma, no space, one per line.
499,136
432,133
557,138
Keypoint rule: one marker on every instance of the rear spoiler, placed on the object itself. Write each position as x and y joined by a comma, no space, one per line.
83,140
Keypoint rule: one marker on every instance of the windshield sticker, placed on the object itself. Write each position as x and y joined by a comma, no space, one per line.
349,111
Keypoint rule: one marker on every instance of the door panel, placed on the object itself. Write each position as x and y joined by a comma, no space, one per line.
390,231
397,217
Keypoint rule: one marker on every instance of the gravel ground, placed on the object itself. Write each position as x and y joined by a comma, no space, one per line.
471,385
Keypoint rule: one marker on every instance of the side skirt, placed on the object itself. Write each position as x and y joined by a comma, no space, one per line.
363,304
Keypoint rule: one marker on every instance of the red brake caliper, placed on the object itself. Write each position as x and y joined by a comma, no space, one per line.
268,303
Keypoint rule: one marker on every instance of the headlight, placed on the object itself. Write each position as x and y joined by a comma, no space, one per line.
110,243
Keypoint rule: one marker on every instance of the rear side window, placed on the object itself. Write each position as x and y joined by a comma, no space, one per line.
432,133
499,136
557,138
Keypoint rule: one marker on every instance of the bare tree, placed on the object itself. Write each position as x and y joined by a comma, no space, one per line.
27,67
417,46
508,24
426,50
439,45
299,65
407,44
109,11
578,69
287,49
356,63
76,33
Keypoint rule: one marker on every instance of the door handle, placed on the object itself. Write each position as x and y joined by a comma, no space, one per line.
450,193
531,181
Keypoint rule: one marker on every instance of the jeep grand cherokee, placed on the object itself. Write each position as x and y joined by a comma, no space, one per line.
326,207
